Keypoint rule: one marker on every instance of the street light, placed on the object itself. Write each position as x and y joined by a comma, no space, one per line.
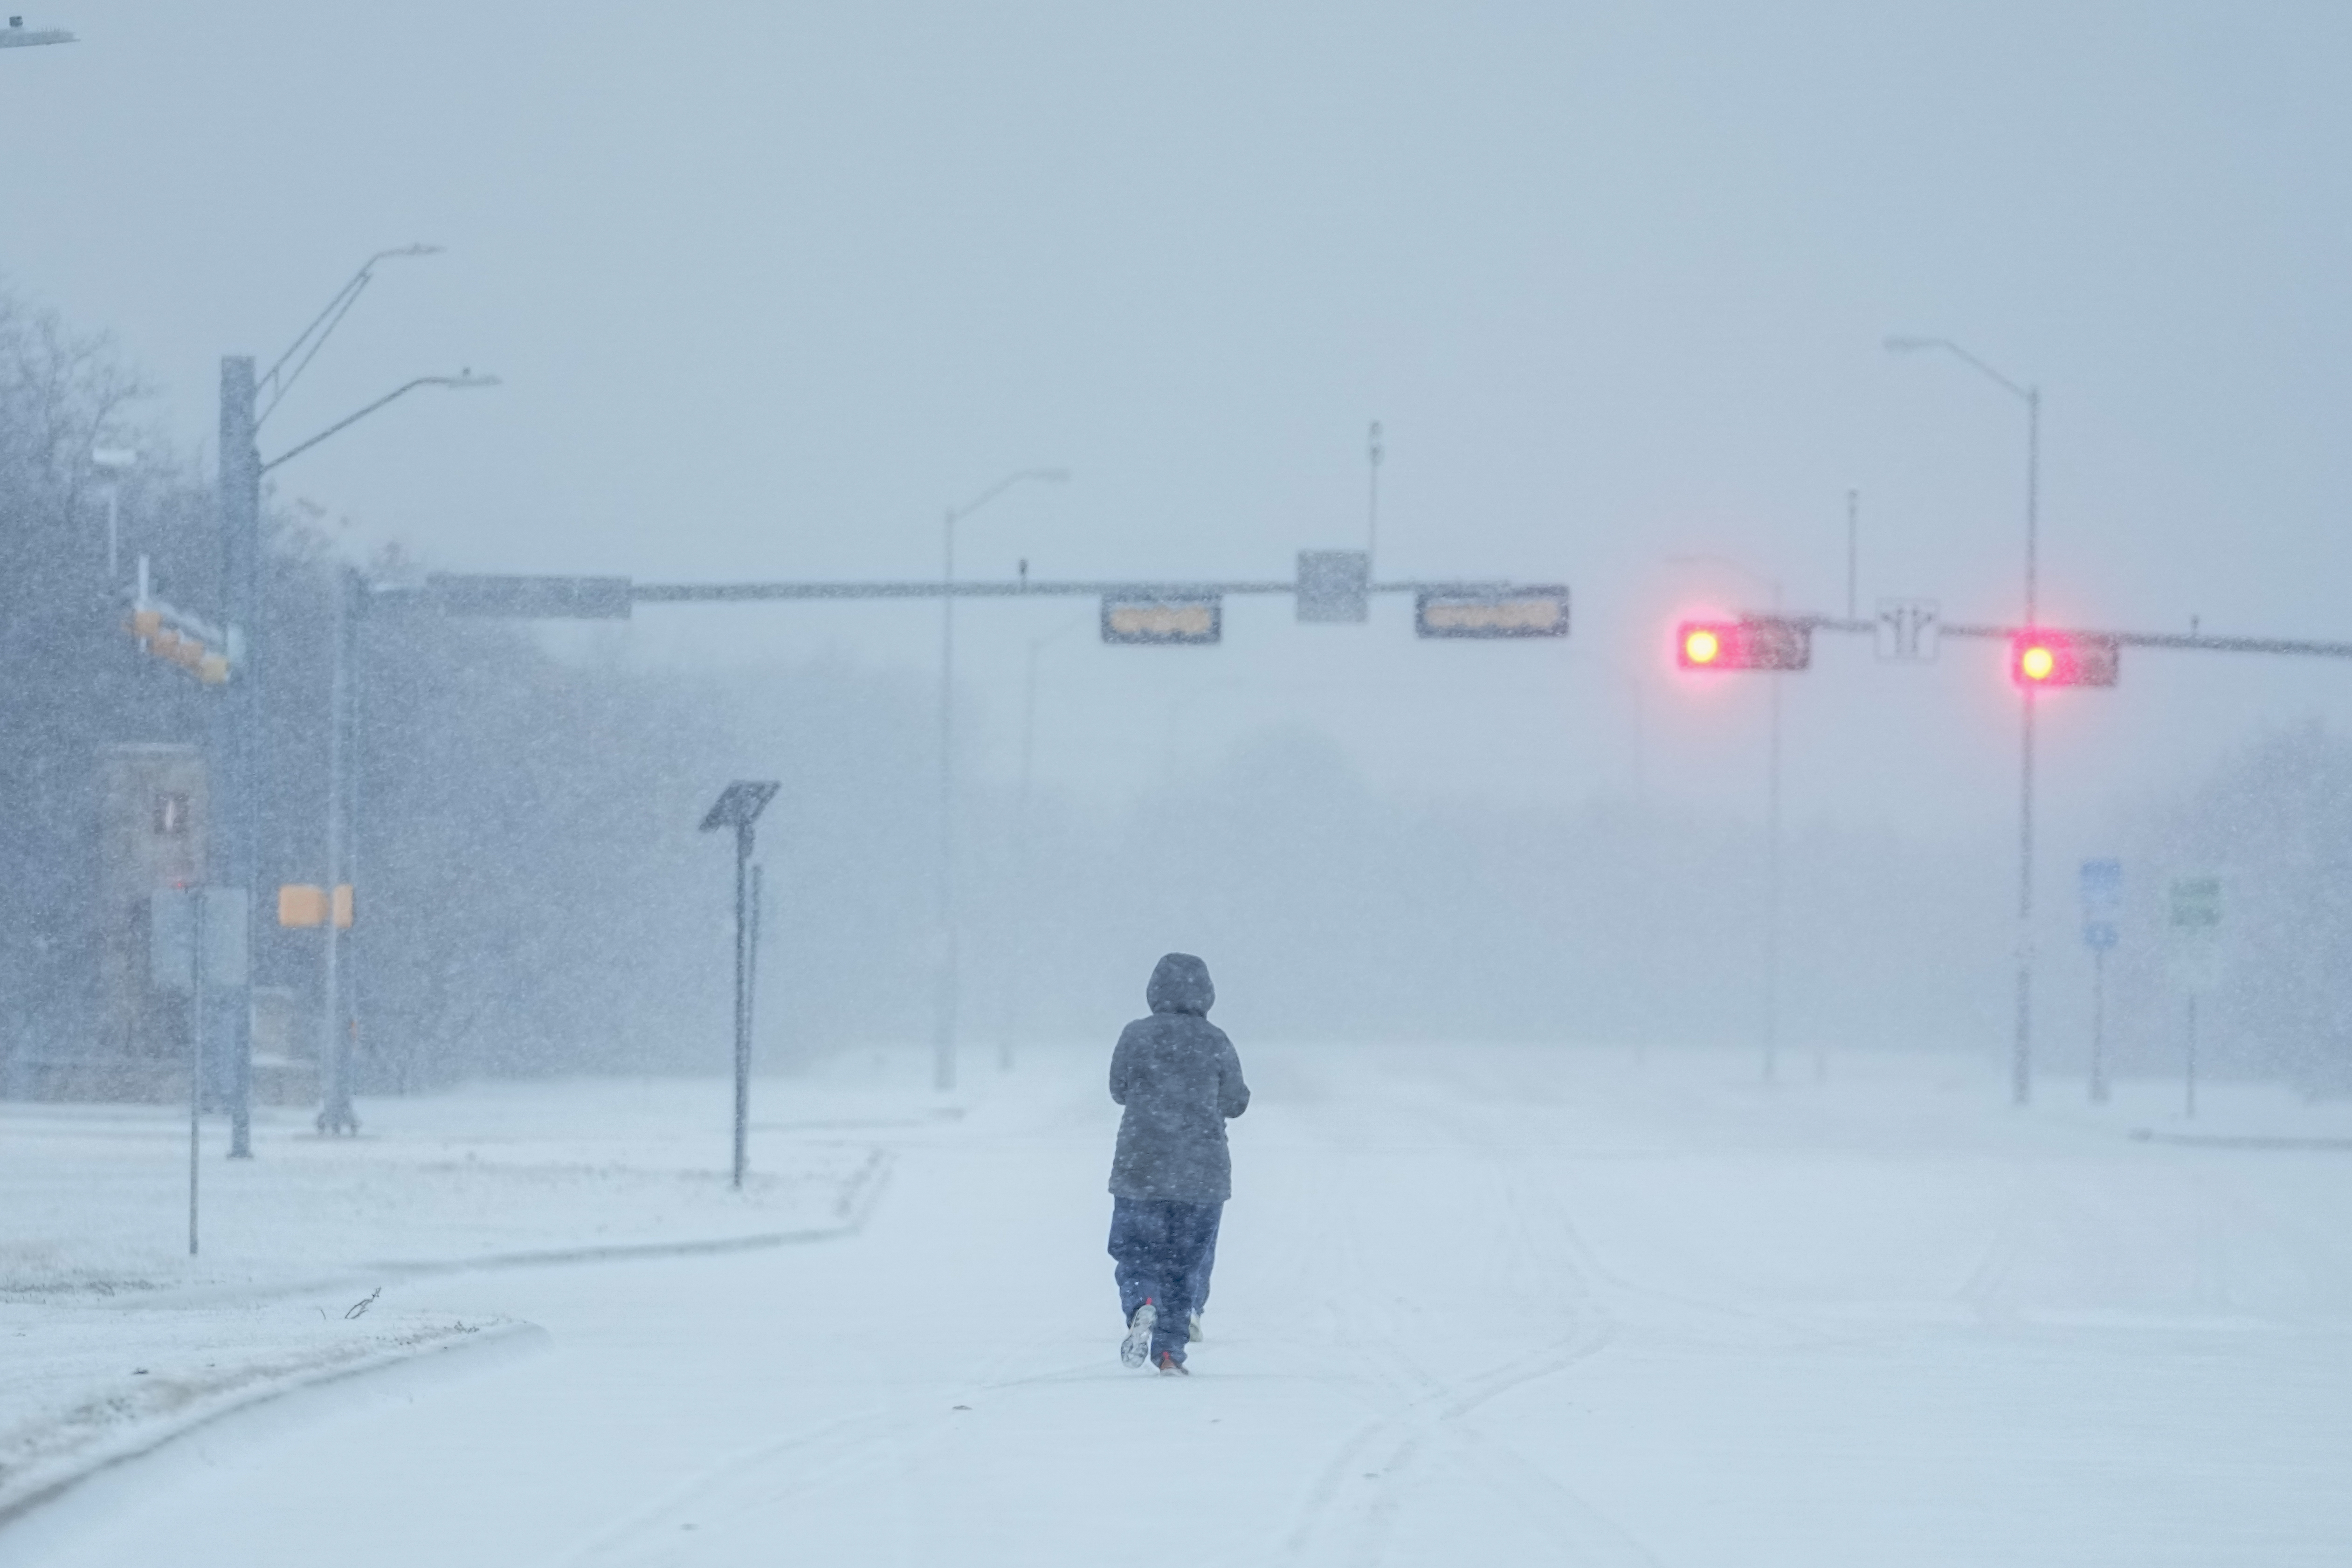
1703,648
238,737
463,381
2021,1051
313,337
943,1029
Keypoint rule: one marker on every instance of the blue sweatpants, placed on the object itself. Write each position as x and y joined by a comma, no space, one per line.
1162,1251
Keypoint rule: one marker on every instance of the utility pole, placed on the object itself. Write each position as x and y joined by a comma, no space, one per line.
237,727
1373,452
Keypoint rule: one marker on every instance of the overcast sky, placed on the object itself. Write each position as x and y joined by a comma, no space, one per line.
769,287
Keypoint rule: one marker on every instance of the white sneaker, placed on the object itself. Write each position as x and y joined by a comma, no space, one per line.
1192,1334
1136,1348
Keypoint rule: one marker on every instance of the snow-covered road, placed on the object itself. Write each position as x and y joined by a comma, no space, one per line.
1492,1306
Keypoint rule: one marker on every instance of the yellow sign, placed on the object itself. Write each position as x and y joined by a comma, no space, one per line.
304,904
1161,620
1511,612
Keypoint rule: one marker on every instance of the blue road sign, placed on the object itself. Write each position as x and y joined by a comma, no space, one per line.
2103,903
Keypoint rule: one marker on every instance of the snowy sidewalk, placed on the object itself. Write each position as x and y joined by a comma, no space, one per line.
112,1337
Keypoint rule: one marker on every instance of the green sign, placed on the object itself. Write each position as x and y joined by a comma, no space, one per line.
2196,903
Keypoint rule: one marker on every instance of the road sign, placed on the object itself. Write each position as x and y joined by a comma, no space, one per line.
2196,903
172,937
2103,903
740,804
1334,585
1496,612
1188,619
531,598
1910,631
304,904
2196,927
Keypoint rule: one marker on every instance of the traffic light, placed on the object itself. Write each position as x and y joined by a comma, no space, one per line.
1752,642
2062,659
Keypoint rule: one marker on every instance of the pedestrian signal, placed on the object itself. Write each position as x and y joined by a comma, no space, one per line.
2062,659
1752,642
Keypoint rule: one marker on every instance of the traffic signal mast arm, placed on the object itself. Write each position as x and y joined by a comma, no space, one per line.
2039,654
734,592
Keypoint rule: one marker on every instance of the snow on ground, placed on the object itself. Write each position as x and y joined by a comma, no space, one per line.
1472,1305
109,1332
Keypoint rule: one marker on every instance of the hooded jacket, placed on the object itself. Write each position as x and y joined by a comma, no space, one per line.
1180,1079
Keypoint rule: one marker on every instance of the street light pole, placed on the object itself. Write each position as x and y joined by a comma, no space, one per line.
2021,1062
335,1114
943,1035
1024,946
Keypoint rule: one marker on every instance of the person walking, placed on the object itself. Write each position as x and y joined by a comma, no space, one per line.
1179,1081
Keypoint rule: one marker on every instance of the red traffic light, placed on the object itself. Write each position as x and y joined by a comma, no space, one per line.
2064,659
1759,642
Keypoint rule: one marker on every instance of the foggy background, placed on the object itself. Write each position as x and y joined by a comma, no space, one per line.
768,290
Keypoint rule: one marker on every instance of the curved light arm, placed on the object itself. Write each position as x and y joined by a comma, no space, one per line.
1047,476
323,325
461,382
1907,345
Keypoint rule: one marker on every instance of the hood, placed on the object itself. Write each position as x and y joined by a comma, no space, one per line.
1181,984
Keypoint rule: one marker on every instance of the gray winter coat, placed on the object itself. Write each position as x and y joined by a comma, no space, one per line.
1180,1079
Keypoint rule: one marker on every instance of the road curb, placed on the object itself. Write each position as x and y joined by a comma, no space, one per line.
153,1437
854,1212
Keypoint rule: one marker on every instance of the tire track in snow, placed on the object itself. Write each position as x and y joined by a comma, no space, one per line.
1351,1510
704,1492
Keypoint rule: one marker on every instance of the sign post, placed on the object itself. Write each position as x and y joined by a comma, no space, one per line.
2197,956
2103,902
738,807
197,942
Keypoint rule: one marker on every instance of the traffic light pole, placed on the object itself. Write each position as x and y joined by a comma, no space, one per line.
2021,1066
237,729
1776,642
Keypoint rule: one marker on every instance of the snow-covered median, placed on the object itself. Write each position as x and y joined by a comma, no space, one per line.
112,1338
